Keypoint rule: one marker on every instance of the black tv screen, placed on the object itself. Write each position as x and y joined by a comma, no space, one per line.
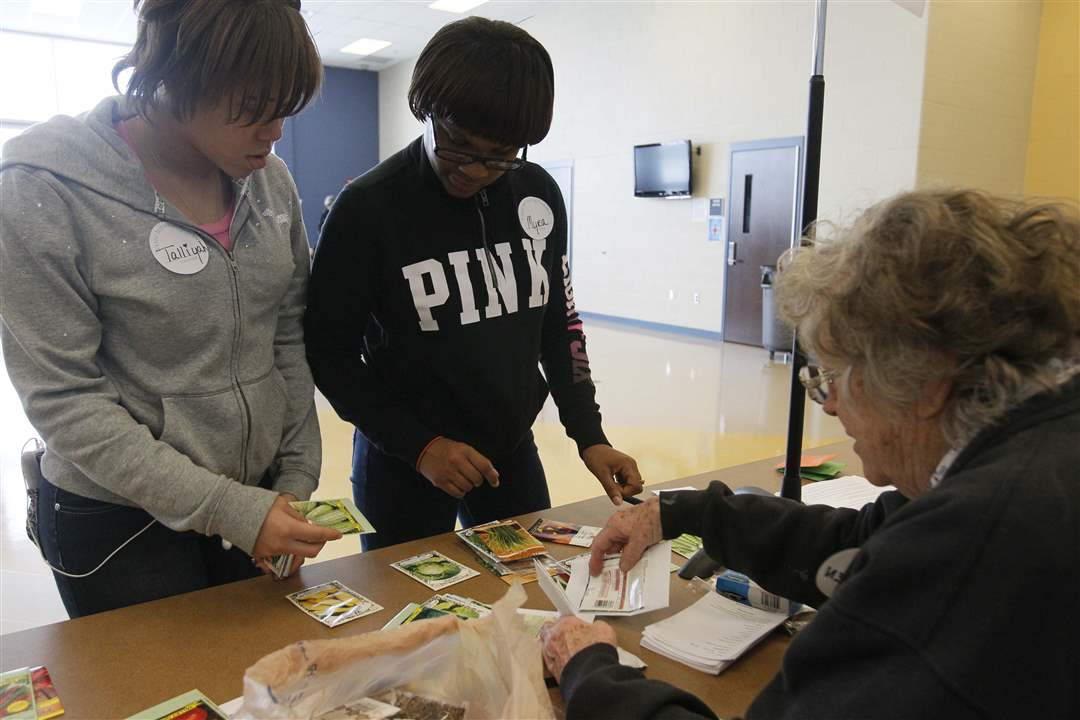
662,169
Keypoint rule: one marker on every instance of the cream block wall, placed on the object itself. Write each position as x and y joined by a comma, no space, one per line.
714,73
980,75
1053,154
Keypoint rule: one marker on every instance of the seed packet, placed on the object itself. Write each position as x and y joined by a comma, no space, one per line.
464,607
434,570
564,533
45,695
333,604
190,705
507,541
17,695
686,545
341,515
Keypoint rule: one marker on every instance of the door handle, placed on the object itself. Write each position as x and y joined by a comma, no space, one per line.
732,250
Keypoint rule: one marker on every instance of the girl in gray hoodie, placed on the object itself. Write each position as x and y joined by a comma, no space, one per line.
153,270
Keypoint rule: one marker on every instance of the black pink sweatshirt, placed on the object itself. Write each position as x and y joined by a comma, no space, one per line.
429,315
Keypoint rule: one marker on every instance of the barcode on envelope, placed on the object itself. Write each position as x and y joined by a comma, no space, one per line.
604,604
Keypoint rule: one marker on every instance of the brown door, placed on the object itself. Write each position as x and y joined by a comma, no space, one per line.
764,182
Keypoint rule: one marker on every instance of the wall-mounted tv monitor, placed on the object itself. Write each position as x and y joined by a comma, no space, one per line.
662,170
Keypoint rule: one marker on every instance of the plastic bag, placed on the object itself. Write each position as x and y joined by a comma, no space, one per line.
492,664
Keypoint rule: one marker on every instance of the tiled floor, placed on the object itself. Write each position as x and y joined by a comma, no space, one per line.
678,404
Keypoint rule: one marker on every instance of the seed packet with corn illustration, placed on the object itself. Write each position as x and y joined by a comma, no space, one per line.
333,604
434,569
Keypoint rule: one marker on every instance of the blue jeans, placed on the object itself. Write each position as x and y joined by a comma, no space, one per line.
403,505
77,533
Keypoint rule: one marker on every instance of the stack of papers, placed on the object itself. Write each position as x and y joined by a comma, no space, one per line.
710,634
850,491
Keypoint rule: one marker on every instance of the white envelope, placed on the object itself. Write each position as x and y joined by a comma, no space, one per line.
657,581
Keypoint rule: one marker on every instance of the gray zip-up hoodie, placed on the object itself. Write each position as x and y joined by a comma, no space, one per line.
161,371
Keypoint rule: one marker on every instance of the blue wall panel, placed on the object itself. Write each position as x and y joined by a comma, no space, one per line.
335,139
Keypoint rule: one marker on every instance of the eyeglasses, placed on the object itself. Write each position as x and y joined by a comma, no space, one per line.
492,163
817,380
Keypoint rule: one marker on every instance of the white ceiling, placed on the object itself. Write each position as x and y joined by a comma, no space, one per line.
407,24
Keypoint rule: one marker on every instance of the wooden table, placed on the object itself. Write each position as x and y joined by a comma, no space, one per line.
116,663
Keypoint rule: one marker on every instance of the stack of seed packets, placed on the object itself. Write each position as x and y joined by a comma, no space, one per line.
564,533
507,550
505,541
333,604
438,606
341,515
434,570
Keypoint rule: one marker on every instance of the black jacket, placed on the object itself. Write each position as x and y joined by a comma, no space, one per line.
964,603
404,333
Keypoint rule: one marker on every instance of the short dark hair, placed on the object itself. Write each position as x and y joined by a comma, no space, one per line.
487,77
258,55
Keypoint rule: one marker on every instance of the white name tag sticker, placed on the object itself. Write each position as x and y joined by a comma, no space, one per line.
833,571
178,250
536,217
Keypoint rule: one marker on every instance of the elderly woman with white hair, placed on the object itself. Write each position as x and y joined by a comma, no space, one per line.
945,328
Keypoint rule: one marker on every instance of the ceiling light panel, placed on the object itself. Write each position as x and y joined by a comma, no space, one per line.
456,6
365,46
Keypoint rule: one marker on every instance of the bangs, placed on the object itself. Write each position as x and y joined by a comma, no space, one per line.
489,78
257,56
268,66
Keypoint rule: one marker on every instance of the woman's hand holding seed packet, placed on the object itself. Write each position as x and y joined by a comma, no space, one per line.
341,515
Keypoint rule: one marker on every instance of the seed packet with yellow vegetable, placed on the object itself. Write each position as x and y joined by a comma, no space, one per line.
333,604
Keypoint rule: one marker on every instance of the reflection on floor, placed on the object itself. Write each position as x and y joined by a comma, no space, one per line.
678,404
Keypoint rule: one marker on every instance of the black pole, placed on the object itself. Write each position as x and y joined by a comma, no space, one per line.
791,486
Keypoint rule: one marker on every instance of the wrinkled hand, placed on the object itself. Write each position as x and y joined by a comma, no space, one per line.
285,531
632,531
456,468
616,471
563,640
